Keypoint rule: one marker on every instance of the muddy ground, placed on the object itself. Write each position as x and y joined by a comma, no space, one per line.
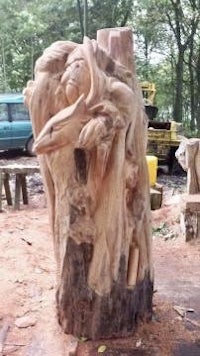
28,325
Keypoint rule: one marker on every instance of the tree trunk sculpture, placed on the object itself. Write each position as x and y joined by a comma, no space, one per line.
90,136
188,156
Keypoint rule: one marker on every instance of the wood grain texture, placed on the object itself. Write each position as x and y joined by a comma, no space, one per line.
90,133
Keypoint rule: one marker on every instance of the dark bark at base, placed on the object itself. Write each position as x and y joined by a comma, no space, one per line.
83,313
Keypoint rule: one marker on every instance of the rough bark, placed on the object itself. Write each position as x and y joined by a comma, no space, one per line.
91,133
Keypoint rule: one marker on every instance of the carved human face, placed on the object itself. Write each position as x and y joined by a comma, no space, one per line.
76,77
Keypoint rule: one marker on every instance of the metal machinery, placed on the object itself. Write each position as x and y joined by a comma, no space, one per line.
163,137
149,93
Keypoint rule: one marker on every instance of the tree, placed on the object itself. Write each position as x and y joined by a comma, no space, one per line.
155,53
26,29
166,32
108,13
183,21
197,77
192,64
19,34
171,28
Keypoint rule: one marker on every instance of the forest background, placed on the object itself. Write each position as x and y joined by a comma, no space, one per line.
166,35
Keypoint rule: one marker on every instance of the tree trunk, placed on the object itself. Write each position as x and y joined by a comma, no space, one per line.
178,103
92,152
192,86
85,17
198,91
80,18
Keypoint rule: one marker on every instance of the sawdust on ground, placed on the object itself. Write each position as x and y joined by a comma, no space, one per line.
28,283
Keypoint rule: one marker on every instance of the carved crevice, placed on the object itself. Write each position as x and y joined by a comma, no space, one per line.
81,165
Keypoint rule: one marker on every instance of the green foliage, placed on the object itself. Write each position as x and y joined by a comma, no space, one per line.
162,29
168,54
108,13
27,27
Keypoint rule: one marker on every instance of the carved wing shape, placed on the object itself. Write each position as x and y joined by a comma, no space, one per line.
62,128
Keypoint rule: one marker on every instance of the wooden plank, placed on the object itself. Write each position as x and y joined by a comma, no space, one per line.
23,169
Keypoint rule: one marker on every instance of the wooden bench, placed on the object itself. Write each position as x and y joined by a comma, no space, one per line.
20,172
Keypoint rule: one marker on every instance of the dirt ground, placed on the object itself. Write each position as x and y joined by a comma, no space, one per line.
28,325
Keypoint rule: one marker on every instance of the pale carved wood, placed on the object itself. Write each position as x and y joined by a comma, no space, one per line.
90,134
188,155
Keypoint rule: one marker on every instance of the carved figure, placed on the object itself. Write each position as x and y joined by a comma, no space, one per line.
188,156
88,121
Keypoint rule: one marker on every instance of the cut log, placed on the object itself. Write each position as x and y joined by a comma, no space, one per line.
91,135
191,225
156,199
190,217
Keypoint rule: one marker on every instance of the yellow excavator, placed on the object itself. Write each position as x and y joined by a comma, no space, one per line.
163,137
149,93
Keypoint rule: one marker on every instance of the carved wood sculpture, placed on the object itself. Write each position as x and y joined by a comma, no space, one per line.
188,155
90,136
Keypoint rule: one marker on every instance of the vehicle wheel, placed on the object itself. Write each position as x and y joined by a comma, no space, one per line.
29,147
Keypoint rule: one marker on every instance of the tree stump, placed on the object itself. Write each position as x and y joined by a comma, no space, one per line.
90,133
155,198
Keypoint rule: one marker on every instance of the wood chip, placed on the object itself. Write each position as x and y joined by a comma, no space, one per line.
25,321
102,349
180,310
193,322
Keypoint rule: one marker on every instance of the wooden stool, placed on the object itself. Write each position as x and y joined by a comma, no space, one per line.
20,172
